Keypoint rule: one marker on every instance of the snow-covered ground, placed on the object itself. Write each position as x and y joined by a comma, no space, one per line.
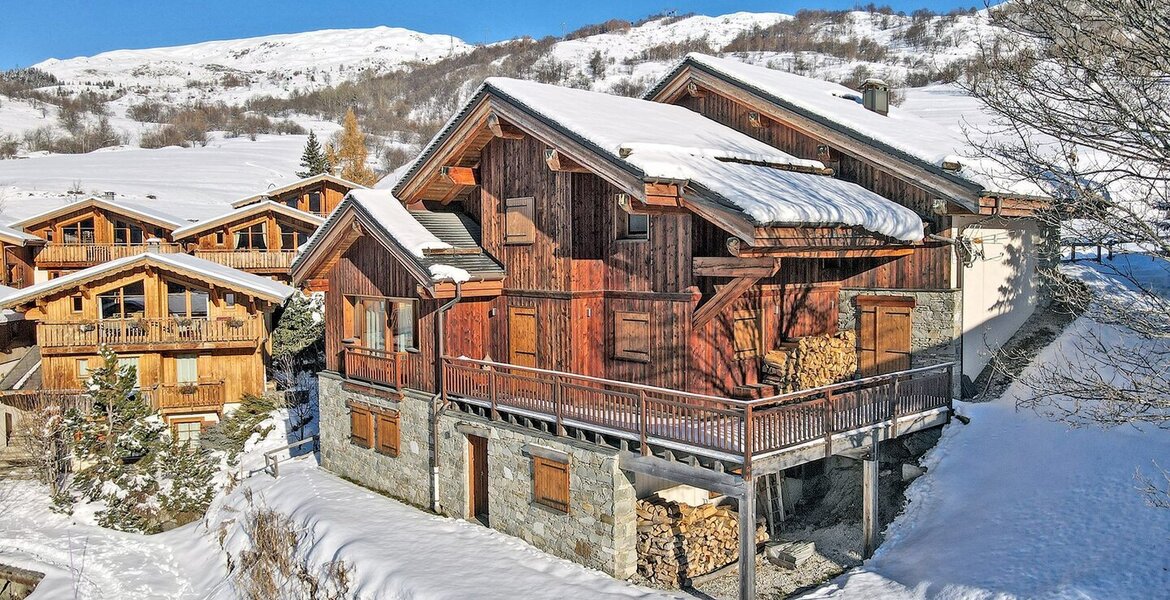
1016,505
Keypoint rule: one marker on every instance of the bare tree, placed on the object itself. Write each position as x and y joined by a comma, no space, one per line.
1080,94
42,436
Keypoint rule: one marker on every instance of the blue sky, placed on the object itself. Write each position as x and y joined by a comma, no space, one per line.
33,30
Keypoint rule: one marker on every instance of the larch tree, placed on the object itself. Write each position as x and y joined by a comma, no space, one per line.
1079,93
314,160
351,153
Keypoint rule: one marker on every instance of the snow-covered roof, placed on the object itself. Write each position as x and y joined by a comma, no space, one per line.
262,287
18,237
294,185
246,211
899,132
131,209
389,212
666,142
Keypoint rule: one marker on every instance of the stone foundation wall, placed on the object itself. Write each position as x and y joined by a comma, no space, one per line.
406,476
600,529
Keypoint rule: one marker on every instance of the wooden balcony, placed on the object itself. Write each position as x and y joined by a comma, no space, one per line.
80,256
396,370
27,400
150,334
722,428
263,261
187,397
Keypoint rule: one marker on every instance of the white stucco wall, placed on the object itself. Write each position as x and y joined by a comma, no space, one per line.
999,287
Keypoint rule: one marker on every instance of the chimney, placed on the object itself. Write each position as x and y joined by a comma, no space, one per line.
875,96
154,245
109,196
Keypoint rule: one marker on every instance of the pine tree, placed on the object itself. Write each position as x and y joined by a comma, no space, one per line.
314,161
351,154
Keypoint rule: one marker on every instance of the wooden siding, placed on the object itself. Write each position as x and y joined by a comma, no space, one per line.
208,240
18,266
103,224
331,195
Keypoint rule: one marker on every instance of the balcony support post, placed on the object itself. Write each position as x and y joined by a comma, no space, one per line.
747,540
869,498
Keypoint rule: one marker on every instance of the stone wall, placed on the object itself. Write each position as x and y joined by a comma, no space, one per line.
600,529
406,476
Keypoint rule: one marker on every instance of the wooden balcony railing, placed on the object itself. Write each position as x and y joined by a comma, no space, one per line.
741,428
185,396
392,369
28,400
256,260
170,331
94,254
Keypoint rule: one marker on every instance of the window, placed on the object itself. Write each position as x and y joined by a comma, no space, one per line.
550,483
745,333
387,432
126,234
359,425
383,323
188,432
251,237
315,202
82,368
291,237
126,302
80,232
186,302
219,238
77,303
519,220
186,368
293,202
229,299
635,227
631,335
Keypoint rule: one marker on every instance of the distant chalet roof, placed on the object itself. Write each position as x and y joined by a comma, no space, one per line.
262,287
659,142
294,185
143,213
245,211
17,237
898,133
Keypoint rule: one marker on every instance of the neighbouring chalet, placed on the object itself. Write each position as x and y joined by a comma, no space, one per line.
260,238
18,248
987,279
570,300
317,195
196,331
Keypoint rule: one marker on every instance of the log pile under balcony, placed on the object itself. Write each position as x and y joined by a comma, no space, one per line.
812,362
678,542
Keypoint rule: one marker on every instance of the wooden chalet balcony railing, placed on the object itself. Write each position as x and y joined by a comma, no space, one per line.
183,396
167,331
93,254
27,400
392,369
257,260
741,428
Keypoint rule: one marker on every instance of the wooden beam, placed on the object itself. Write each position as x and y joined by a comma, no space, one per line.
663,194
502,129
730,266
459,176
829,252
557,161
694,91
724,297
471,289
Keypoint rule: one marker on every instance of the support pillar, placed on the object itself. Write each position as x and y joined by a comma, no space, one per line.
869,500
747,540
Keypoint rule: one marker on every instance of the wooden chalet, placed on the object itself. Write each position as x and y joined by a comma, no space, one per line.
92,231
18,248
260,238
316,195
631,263
196,331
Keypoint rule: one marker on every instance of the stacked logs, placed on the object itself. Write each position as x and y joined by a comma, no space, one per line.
678,542
812,361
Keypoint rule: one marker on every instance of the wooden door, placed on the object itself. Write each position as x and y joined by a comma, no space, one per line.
883,334
522,336
477,478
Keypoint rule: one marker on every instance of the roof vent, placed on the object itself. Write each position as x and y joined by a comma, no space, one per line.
109,196
875,96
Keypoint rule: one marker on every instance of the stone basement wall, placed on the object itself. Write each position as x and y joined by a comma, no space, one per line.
936,324
405,477
600,529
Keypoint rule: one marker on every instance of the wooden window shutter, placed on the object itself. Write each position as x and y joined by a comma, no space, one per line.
550,483
631,336
359,425
387,432
520,220
746,333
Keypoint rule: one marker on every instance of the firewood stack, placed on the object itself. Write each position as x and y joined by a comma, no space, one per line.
812,361
678,542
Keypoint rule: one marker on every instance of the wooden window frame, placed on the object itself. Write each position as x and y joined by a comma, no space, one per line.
320,202
120,293
519,233
128,228
187,289
185,421
81,377
357,413
229,299
636,352
356,325
76,304
299,235
550,484
76,224
220,238
246,229
624,233
382,445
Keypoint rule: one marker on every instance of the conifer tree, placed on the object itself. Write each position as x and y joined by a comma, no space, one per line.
351,155
313,160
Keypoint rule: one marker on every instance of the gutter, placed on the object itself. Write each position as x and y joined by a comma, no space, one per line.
438,401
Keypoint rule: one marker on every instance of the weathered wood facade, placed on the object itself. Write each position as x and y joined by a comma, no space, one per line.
260,238
317,195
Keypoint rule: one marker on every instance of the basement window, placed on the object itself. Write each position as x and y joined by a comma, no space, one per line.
360,433
386,430
520,220
631,336
550,483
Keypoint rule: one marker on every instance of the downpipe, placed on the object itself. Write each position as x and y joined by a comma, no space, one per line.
437,406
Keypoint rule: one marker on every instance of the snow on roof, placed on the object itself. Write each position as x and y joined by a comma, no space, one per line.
17,236
250,209
397,221
227,276
841,107
670,142
145,213
246,200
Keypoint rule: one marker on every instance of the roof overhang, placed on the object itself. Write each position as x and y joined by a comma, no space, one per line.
243,213
113,207
294,185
